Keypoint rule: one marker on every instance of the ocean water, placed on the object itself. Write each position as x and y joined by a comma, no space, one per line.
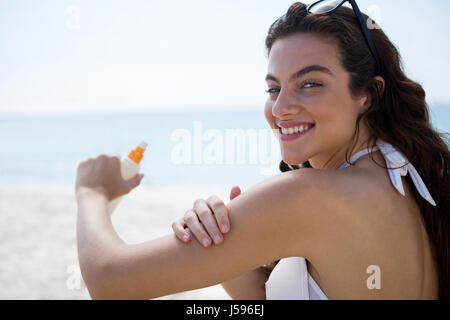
216,148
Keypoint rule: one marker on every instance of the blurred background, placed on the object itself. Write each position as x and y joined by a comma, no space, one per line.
80,78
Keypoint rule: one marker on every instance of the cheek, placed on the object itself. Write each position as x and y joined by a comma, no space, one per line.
339,130
333,122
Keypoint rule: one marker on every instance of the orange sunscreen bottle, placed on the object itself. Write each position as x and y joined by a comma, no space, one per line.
129,167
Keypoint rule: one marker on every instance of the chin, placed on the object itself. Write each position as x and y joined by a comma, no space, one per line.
294,161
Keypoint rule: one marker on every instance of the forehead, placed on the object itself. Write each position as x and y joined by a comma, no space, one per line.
300,50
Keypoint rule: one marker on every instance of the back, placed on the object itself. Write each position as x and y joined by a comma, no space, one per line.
375,227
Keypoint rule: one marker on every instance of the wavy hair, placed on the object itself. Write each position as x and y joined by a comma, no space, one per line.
398,114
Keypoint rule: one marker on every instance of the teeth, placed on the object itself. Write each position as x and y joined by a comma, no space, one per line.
293,130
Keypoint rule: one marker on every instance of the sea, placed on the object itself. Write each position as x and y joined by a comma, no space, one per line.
185,148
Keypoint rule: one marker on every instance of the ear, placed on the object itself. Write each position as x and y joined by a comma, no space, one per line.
380,83
367,99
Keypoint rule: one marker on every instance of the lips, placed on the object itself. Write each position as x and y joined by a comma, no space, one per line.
287,125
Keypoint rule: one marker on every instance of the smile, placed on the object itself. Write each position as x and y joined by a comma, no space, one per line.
291,134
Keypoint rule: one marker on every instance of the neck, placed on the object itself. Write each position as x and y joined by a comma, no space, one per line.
334,158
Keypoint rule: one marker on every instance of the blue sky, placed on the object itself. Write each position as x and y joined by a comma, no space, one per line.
171,55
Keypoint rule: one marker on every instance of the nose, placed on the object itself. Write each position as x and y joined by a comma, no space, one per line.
284,107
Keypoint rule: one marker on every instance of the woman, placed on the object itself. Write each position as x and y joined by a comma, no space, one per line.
329,223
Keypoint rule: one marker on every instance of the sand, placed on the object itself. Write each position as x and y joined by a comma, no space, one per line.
38,251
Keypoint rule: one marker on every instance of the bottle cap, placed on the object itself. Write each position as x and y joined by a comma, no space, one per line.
143,145
137,153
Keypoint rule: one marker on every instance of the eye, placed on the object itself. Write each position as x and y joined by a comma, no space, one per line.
270,90
311,84
307,85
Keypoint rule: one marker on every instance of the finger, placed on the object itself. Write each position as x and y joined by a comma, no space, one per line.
235,191
220,212
100,164
180,231
102,157
207,217
134,182
195,226
115,162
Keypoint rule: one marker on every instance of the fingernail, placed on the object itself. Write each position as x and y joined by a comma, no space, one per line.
185,237
224,228
216,238
206,242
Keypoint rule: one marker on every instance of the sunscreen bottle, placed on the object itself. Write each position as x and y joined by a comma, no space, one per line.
129,167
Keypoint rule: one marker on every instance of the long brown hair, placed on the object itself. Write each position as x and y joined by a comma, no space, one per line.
398,114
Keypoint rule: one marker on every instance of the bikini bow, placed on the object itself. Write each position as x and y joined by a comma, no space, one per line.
400,167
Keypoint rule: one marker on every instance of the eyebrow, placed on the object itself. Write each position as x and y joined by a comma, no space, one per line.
302,72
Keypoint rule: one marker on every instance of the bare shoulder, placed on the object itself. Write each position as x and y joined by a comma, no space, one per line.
342,201
344,188
349,199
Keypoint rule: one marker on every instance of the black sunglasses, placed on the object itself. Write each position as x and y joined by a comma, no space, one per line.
324,6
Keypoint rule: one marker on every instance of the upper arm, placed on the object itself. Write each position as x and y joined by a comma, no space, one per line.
249,286
272,220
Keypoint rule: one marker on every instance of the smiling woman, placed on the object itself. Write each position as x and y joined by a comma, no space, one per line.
394,109
324,225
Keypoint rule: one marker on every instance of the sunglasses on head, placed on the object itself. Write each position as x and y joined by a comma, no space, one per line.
324,6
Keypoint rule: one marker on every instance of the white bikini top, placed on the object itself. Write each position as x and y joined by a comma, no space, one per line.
290,279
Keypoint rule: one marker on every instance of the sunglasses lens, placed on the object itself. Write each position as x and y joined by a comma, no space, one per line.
324,6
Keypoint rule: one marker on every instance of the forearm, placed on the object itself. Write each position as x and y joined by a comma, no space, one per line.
96,238
249,286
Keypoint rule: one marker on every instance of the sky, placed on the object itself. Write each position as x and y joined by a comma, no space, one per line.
83,56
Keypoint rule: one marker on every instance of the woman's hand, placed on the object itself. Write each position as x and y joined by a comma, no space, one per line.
102,175
204,220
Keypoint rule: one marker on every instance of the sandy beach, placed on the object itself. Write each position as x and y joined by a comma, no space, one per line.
38,251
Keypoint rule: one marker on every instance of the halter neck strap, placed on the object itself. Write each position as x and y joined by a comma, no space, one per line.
358,155
398,166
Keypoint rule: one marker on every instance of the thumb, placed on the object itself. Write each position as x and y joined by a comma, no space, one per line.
135,181
235,191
